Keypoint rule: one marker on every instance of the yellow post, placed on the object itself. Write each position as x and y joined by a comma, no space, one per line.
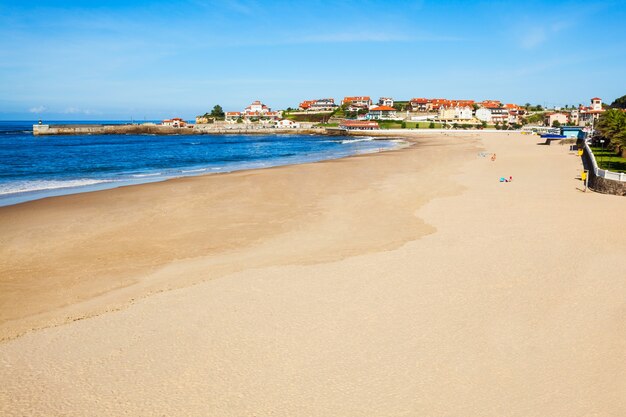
583,175
580,152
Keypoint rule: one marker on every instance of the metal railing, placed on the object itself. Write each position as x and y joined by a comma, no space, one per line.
603,173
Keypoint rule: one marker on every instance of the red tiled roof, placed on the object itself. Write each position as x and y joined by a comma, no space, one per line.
359,123
355,98
592,111
597,98
382,108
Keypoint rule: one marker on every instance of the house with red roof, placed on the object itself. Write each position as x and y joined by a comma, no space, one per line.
420,104
434,104
232,116
256,108
382,113
174,122
493,113
321,104
560,117
306,104
587,116
357,102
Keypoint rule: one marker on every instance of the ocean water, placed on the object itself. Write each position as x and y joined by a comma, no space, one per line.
33,167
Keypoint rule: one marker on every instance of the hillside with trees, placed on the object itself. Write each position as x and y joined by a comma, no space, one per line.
619,103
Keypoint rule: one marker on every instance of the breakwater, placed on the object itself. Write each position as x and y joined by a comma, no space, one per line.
102,129
152,129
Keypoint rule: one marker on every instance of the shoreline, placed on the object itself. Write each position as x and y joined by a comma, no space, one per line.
106,183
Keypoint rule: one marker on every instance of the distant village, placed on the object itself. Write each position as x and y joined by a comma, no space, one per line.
362,113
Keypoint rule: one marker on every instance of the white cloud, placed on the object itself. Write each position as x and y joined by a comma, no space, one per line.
533,38
38,109
74,110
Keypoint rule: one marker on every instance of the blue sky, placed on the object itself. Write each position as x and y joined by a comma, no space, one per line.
139,59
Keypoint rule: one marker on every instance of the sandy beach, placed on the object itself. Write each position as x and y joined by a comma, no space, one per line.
403,283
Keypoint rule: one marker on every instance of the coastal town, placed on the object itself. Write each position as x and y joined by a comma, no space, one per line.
363,113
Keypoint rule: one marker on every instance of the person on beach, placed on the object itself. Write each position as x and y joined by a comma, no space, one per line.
493,157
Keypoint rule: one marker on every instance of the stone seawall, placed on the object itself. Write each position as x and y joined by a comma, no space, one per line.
51,130
42,130
599,184
604,186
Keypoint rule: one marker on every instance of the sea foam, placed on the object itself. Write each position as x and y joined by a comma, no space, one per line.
40,185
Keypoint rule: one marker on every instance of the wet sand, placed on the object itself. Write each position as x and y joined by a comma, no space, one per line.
409,282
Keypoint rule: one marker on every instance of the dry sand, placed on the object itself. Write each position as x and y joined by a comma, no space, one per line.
399,284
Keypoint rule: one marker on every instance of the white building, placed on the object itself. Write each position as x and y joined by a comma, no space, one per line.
357,102
382,113
286,124
550,118
484,114
323,104
589,115
455,113
493,114
256,109
385,101
175,122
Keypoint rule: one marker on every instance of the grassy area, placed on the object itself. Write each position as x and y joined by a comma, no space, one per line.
607,159
309,117
328,124
389,124
422,125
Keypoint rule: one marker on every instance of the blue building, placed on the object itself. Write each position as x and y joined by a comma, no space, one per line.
573,132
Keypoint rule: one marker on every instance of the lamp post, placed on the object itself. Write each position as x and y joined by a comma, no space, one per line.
602,142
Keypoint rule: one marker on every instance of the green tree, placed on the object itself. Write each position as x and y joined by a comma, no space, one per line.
534,118
217,112
612,125
556,123
431,125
